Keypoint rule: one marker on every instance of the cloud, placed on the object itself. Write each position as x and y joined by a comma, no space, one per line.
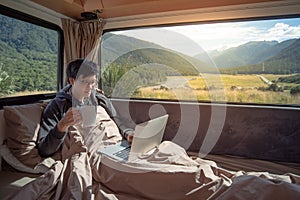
282,31
215,36
220,35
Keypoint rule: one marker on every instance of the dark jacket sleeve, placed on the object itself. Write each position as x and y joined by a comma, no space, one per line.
108,106
50,139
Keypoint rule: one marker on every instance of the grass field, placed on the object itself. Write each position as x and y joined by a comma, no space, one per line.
213,87
230,88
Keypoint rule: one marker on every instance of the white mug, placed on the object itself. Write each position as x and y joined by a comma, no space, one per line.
88,114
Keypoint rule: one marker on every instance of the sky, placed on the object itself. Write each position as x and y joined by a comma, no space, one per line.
192,39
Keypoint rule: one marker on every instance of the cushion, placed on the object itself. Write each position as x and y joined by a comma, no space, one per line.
22,126
15,163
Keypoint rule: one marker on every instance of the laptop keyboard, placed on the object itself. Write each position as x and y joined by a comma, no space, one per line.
124,153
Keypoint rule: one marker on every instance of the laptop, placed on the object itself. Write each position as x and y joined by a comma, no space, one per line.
147,136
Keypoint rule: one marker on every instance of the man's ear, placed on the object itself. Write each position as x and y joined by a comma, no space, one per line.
71,80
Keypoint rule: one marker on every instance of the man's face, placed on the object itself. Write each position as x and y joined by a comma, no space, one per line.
83,86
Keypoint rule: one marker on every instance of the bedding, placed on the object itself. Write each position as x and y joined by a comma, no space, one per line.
10,159
168,172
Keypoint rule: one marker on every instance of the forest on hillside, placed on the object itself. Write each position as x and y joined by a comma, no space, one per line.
261,57
28,62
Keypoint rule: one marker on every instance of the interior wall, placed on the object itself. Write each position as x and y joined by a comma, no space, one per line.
267,133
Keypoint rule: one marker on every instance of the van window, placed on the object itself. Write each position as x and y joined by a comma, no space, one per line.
250,61
29,56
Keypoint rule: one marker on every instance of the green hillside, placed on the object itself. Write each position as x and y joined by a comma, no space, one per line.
245,54
120,49
274,50
30,60
148,63
286,61
36,38
251,55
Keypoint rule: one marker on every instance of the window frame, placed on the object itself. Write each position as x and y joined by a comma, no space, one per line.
7,101
202,22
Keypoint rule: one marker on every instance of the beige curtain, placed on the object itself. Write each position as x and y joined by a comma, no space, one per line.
81,39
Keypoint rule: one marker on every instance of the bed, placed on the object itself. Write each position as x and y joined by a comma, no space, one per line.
169,172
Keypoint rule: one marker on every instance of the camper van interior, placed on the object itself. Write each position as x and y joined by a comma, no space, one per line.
227,73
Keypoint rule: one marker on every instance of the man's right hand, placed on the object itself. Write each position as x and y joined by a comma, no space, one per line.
72,117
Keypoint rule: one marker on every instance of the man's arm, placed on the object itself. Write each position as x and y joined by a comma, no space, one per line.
50,138
108,106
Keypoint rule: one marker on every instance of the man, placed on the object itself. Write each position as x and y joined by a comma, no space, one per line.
62,112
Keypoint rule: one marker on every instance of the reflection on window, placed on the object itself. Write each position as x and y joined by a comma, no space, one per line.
245,62
28,58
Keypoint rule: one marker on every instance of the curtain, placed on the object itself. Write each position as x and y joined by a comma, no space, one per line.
82,39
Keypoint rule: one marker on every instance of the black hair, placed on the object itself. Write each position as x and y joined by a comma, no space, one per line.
81,67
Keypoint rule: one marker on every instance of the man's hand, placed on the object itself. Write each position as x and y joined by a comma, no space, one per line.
129,136
72,117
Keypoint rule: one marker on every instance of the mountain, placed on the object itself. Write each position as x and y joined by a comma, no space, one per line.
250,53
274,50
285,61
120,49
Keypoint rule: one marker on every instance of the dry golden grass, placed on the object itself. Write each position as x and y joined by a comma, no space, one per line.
227,81
220,89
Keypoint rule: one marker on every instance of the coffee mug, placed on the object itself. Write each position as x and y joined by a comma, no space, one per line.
88,114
